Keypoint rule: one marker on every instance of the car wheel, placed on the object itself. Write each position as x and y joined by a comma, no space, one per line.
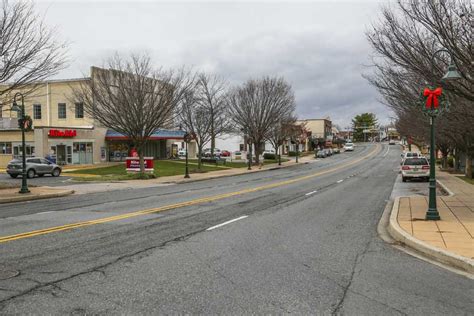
14,176
404,179
30,173
56,172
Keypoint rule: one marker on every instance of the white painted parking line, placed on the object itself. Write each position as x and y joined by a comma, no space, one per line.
228,222
339,181
388,148
312,192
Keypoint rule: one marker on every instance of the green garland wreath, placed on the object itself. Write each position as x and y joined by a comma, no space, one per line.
26,124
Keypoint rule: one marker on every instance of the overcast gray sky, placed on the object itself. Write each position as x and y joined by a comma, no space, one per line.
318,46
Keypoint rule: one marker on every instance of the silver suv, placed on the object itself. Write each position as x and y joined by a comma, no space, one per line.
34,166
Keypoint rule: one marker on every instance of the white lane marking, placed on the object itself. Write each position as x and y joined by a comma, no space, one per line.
45,212
388,148
228,222
312,192
339,181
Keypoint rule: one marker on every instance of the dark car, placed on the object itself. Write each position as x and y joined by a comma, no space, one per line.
321,154
34,166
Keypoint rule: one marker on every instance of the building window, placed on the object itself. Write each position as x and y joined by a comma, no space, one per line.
62,110
37,111
6,148
79,110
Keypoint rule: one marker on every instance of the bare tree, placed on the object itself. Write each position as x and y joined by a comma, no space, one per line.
259,105
404,42
29,51
195,117
133,98
280,132
211,93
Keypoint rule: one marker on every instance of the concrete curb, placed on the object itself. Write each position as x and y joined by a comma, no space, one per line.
26,197
445,188
233,175
441,255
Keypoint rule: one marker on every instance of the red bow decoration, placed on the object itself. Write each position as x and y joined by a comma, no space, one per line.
432,99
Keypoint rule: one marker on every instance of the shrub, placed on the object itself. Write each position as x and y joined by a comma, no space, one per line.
293,154
450,161
270,156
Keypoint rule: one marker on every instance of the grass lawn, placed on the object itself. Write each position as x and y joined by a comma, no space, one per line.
163,168
470,181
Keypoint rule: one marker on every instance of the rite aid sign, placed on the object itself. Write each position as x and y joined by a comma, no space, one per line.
133,164
62,133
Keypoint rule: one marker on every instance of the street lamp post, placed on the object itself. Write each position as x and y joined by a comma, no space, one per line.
23,125
433,111
186,169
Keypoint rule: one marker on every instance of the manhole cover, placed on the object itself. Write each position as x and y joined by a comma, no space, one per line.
7,274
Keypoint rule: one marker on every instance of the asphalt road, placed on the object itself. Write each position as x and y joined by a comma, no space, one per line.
303,241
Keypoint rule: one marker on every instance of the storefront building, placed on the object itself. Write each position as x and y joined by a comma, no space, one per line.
65,134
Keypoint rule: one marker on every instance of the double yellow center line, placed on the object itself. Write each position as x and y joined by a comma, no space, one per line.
175,206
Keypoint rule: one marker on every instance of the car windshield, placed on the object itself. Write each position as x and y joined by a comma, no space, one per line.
416,161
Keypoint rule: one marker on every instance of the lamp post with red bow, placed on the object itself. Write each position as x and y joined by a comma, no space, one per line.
435,104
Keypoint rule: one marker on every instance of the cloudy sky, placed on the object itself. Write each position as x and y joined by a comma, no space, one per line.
318,46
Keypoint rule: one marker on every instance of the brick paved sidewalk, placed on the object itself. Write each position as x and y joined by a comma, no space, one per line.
455,231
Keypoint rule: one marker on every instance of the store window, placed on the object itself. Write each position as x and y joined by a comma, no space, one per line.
79,110
82,153
37,111
6,148
61,110
18,151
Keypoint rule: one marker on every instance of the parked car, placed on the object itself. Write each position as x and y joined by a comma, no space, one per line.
391,142
348,147
321,154
225,153
409,154
207,152
329,151
182,152
417,167
34,166
336,151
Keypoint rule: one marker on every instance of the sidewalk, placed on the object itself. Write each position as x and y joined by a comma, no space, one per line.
453,235
135,184
36,193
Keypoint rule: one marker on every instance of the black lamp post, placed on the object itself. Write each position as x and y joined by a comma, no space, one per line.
187,138
21,111
433,112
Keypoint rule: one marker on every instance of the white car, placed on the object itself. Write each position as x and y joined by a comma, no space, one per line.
417,167
410,154
349,147
182,152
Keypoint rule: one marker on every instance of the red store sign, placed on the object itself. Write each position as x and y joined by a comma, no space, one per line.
133,164
62,133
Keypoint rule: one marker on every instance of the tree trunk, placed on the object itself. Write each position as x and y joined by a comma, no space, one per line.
468,172
257,152
444,159
199,157
142,160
